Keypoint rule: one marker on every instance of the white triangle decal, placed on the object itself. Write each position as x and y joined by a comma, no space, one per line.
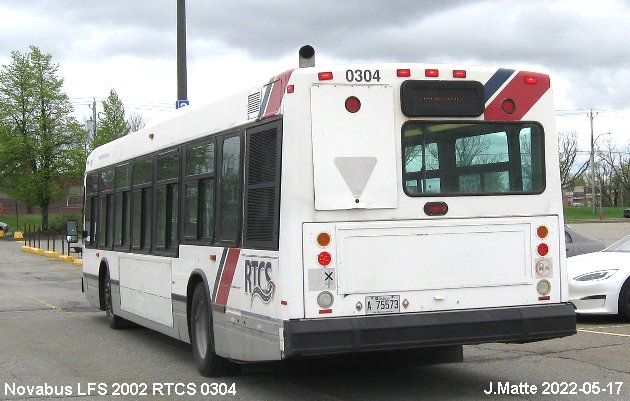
356,172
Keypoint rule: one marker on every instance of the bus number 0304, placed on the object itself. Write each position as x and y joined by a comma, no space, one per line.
363,75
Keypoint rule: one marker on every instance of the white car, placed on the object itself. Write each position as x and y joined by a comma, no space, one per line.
599,282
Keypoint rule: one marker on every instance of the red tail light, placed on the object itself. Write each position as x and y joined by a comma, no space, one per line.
324,258
542,249
403,72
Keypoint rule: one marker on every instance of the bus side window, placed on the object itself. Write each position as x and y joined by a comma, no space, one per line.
229,202
166,201
199,193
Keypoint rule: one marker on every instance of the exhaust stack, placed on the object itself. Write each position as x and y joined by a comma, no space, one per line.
307,56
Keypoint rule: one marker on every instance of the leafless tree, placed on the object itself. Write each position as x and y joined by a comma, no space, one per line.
569,174
618,161
135,122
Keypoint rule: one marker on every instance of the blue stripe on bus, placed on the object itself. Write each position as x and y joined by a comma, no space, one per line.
265,100
217,280
496,81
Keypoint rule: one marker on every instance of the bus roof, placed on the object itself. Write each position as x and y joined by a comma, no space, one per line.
191,122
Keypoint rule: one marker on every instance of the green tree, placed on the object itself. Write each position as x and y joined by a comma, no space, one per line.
40,142
113,124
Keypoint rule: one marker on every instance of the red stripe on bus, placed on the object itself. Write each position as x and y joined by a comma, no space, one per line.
223,292
278,88
523,94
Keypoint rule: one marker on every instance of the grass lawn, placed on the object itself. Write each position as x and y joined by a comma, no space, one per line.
55,220
586,213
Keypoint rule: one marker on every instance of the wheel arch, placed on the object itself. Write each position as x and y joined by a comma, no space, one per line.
624,289
102,271
196,277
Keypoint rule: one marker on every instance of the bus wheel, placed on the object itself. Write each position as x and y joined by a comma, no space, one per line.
624,300
202,337
115,322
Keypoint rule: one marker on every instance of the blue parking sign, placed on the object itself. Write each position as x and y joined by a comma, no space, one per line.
182,103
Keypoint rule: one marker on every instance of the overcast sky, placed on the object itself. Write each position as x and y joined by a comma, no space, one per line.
130,45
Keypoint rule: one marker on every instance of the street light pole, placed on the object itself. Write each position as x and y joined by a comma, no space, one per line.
182,84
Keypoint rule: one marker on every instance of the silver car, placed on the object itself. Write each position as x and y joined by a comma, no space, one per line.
4,228
578,244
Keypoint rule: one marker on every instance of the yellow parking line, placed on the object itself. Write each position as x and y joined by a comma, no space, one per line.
603,332
47,304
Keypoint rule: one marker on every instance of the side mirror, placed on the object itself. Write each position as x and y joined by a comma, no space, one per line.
72,235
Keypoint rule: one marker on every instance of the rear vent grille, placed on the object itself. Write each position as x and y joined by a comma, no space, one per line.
253,105
262,157
261,210
262,189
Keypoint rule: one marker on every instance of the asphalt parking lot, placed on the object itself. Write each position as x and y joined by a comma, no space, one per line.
609,232
49,334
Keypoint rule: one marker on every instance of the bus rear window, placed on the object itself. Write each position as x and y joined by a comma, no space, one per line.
472,158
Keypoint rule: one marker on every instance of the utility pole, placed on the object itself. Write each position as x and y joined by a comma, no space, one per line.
591,116
182,85
94,116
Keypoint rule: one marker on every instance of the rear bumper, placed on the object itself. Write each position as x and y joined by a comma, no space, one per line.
370,333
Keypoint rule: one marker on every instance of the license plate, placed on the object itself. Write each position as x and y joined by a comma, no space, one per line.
382,304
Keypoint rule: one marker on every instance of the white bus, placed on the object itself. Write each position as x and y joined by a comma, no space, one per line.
337,210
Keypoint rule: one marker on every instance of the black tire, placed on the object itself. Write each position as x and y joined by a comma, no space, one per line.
202,337
115,322
624,300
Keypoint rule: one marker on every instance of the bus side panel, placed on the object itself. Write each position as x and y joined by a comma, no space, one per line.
243,293
248,329
145,288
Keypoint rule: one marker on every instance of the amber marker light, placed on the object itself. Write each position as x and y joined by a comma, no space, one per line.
323,239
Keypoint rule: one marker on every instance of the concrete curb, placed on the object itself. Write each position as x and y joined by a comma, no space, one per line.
53,254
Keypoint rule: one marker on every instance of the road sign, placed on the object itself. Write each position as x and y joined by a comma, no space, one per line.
182,103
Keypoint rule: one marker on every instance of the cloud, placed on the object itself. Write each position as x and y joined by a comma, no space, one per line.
580,43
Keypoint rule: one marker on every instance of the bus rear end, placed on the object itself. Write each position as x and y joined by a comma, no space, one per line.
436,215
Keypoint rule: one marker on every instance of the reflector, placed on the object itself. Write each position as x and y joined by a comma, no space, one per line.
403,72
542,232
435,208
353,104
508,106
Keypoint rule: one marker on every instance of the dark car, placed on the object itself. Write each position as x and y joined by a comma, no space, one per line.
578,244
626,212
4,228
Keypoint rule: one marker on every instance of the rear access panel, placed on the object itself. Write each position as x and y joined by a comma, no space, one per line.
354,153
